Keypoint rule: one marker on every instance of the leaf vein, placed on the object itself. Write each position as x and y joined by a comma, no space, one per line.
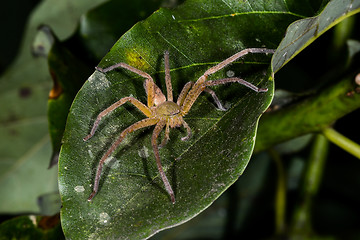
239,14
178,50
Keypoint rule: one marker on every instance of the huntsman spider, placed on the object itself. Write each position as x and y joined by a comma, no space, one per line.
163,112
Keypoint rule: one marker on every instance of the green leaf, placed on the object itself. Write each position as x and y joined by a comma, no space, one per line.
303,32
132,202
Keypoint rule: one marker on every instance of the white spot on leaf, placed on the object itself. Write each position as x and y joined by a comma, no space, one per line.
230,73
104,218
143,152
108,160
79,189
99,80
91,155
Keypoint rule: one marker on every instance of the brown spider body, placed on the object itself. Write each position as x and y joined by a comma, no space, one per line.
163,112
169,111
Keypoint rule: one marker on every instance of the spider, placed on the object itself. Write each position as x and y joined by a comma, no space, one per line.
163,112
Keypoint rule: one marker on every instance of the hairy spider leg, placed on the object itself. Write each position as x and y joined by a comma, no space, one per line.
159,126
166,137
216,99
199,86
136,126
234,57
186,89
183,93
149,82
168,77
188,130
139,105
159,97
235,79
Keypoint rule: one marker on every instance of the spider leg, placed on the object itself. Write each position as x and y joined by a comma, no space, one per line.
139,105
138,125
159,97
186,89
150,85
159,126
199,86
235,79
188,129
166,138
183,93
168,77
234,57
216,99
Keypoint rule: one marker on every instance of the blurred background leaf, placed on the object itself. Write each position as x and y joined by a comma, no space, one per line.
32,227
24,89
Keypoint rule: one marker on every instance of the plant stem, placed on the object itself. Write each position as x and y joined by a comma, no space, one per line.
280,197
342,141
342,32
315,167
301,222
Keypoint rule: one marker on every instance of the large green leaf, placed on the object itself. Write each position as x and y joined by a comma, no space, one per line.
132,202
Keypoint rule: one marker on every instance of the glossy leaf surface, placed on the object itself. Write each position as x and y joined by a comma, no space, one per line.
132,202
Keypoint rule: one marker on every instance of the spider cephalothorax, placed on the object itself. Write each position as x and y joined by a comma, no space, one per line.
163,112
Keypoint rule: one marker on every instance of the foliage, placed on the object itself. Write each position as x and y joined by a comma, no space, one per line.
314,94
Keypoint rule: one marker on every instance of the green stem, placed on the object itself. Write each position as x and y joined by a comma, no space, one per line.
342,141
301,222
280,197
315,167
342,32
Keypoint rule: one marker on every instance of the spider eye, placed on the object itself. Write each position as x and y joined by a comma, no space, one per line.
174,113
